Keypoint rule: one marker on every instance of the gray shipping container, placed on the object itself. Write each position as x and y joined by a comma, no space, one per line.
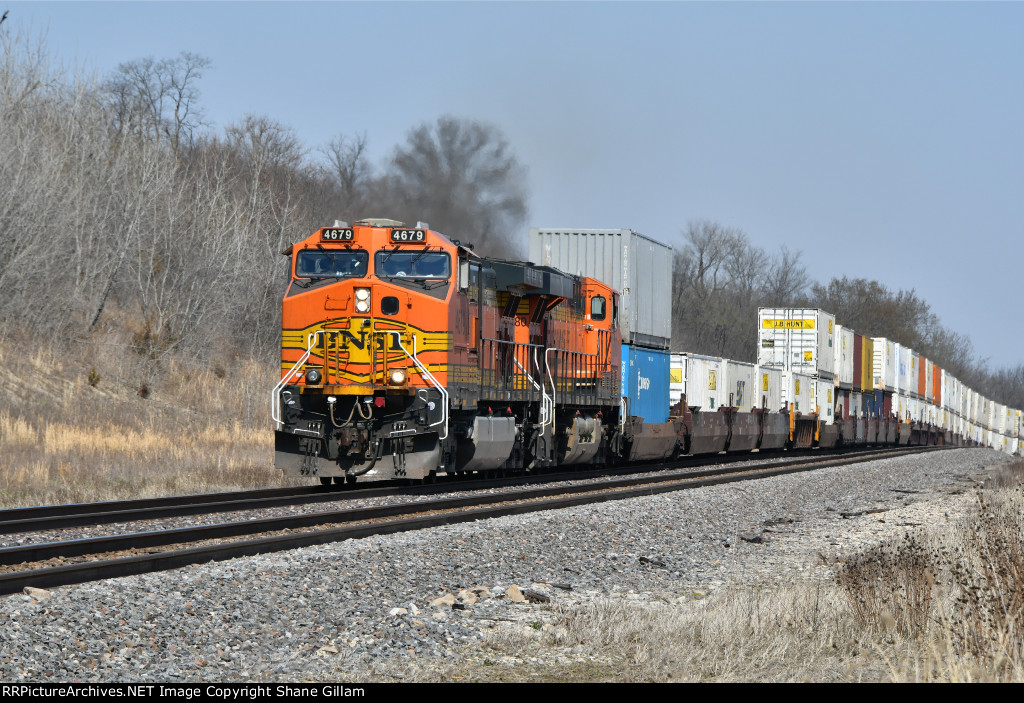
636,266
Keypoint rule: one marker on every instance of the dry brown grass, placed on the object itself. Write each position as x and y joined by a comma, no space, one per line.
742,634
76,427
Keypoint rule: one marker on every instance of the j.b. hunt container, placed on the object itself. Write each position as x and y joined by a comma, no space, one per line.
800,340
638,267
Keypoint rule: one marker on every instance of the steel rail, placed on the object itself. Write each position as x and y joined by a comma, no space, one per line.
372,521
51,517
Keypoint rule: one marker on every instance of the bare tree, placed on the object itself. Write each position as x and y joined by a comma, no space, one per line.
463,178
349,169
270,161
719,280
158,99
713,274
785,280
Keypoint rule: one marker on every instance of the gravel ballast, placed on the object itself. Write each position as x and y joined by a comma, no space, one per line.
336,611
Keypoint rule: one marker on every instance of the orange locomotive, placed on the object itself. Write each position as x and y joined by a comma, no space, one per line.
404,354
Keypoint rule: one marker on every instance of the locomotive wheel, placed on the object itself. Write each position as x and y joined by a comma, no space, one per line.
325,480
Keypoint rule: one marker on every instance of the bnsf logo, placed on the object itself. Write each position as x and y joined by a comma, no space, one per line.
642,383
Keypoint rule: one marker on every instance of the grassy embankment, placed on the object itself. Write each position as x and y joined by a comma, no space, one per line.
103,424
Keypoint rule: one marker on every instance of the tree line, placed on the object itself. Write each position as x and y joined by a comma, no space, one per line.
121,208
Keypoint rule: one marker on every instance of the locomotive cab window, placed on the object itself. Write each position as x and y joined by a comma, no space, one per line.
396,263
598,307
326,263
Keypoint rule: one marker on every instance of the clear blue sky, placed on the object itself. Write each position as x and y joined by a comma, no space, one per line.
883,140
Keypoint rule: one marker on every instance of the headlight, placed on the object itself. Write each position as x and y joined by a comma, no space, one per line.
313,376
362,300
398,377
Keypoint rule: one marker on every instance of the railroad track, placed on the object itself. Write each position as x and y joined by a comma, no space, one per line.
54,517
81,560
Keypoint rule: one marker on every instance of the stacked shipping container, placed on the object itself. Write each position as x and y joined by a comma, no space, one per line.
640,269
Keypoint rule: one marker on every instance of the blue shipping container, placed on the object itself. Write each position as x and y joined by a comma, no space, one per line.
874,402
645,381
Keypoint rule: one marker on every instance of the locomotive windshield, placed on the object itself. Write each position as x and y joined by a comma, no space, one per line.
391,263
331,264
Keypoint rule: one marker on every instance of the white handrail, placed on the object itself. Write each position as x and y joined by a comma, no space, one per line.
545,412
548,404
431,380
547,367
275,399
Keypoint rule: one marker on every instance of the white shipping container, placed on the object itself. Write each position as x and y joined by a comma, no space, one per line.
980,408
901,405
797,390
976,433
639,267
769,388
914,408
945,382
884,363
915,367
1003,444
824,398
1011,424
843,356
903,368
999,417
702,378
801,340
741,379
957,396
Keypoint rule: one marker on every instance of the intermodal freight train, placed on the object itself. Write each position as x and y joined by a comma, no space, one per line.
406,355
